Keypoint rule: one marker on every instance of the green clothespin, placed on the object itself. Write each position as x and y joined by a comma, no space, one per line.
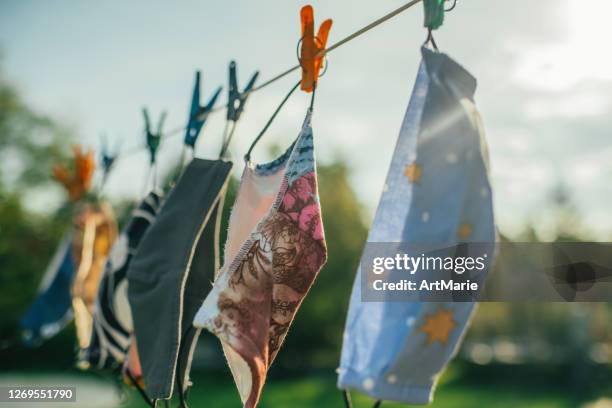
434,13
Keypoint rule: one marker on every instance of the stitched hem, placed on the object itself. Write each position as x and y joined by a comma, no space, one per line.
381,389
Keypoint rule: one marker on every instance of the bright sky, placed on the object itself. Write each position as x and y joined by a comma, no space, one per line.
544,71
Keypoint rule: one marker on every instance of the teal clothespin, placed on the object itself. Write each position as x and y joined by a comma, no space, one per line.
198,114
237,99
108,158
153,139
434,13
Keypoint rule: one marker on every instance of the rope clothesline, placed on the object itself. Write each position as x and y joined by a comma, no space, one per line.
177,130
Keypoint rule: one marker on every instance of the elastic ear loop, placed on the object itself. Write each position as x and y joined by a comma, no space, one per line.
227,137
430,39
347,399
151,174
142,392
349,404
247,156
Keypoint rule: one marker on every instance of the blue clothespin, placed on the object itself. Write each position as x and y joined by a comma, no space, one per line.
153,139
108,158
198,114
236,99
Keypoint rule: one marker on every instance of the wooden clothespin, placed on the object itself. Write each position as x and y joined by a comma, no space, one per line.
313,48
153,139
236,99
78,183
198,114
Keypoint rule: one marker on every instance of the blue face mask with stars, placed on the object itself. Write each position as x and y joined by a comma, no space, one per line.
437,192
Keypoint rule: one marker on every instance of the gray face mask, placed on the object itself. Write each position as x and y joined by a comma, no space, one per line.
171,272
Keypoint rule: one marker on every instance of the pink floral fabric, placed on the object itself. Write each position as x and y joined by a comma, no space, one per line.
263,292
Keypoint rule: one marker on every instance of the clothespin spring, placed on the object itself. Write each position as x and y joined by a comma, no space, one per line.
322,74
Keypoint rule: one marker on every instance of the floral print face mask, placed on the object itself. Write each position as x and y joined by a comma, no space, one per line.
275,249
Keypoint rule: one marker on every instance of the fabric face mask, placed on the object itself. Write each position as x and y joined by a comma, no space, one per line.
112,317
95,233
170,275
437,192
274,250
51,311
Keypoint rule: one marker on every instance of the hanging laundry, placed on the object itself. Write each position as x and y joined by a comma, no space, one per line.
112,316
51,310
95,232
274,250
170,275
437,192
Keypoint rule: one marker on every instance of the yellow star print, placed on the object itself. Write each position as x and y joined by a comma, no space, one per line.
438,326
413,172
464,231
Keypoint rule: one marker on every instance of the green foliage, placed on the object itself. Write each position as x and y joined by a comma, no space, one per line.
29,145
461,386
26,243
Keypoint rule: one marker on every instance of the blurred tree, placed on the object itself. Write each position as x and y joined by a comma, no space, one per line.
30,144
568,223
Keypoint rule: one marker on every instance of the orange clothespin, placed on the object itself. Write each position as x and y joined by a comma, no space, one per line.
78,183
312,46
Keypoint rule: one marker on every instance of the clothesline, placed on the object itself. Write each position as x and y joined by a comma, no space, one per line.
177,130
152,340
